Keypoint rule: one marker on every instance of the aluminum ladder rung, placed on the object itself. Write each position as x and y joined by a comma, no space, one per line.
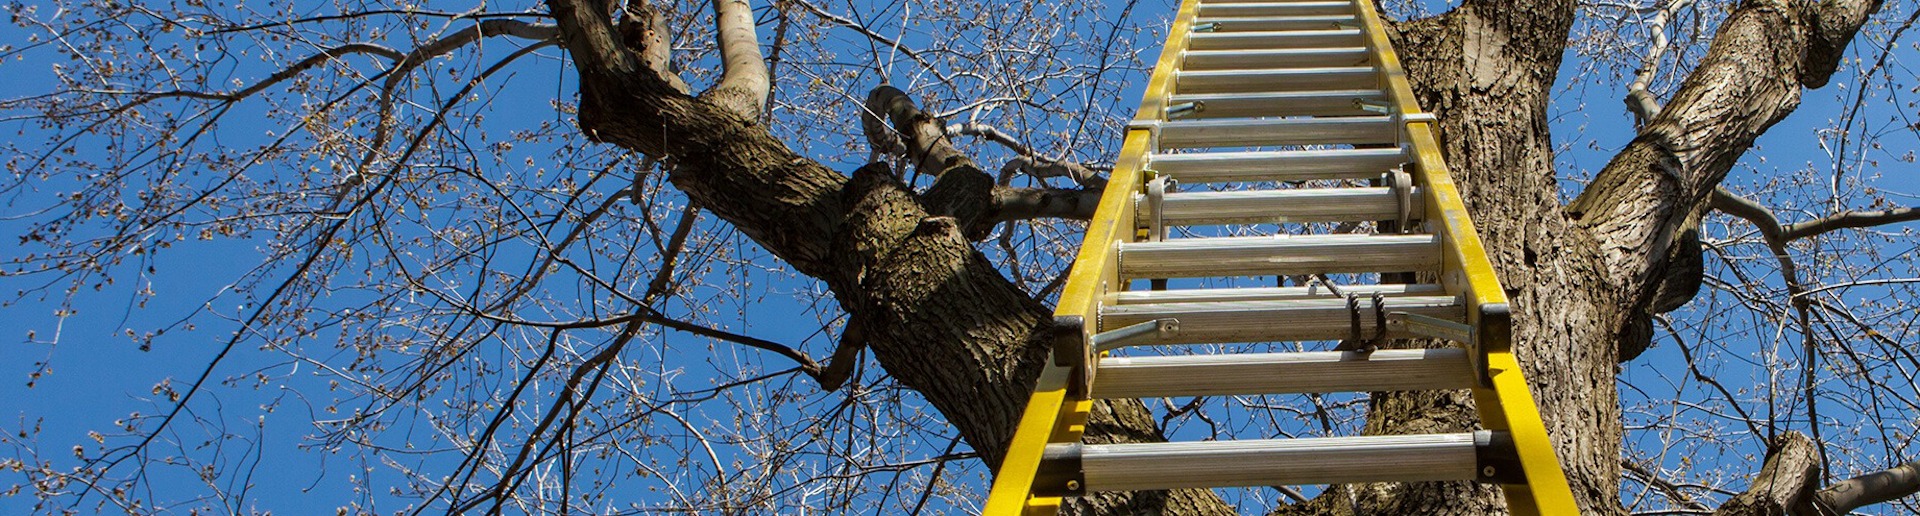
1281,103
1251,40
1211,295
1283,373
1276,79
1270,462
1275,58
1275,321
1296,165
1277,206
1223,24
1212,9
1357,130
1278,255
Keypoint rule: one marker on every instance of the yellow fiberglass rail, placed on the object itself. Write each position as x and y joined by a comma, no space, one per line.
1503,399
1057,412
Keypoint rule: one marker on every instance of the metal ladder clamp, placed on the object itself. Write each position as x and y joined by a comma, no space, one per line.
1318,81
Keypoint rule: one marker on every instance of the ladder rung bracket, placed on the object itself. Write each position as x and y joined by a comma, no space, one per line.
1358,130
1259,321
1275,58
1282,103
1280,79
1249,40
1285,255
1283,373
1273,206
1215,295
1301,165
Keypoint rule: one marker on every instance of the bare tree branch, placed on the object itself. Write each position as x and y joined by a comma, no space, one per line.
1848,220
1033,203
913,133
843,21
1029,162
1864,490
1728,202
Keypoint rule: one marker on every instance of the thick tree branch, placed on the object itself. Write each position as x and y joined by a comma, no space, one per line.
591,40
644,28
1864,490
960,189
1751,78
895,125
743,85
1033,203
1785,483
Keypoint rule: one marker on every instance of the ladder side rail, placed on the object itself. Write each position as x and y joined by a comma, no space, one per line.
1055,412
1153,104
1505,401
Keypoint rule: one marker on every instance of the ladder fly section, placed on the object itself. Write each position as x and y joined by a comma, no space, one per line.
1290,115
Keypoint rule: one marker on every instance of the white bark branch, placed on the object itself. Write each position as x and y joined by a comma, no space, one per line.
1640,101
744,85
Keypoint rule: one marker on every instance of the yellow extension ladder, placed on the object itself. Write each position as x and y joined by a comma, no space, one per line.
1263,100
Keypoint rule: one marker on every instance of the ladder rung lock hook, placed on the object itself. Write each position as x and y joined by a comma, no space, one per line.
1133,335
1372,106
1430,327
1409,118
1206,27
1186,109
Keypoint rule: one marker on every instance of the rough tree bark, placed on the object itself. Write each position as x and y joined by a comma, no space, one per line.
939,318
